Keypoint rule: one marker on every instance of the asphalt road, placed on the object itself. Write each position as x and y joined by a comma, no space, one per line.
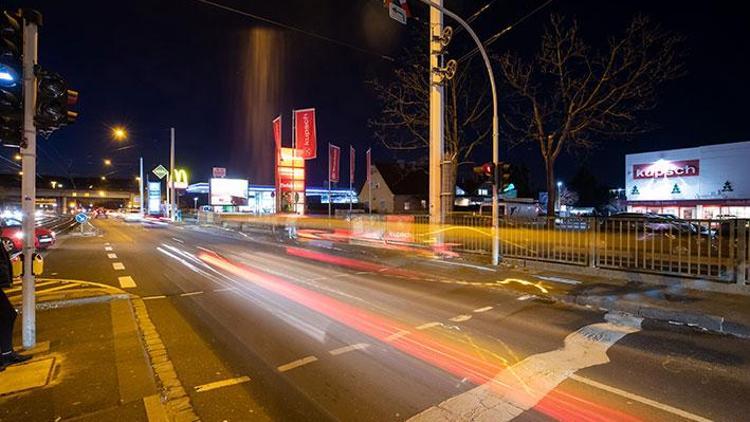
331,335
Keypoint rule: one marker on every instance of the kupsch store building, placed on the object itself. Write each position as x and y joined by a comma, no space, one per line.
704,182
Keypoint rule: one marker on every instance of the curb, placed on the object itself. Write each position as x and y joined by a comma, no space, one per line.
712,323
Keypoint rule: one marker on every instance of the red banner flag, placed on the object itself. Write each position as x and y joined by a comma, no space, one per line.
277,133
369,163
351,165
334,154
305,133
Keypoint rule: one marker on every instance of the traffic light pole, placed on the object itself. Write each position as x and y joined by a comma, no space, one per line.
437,6
28,181
437,116
140,185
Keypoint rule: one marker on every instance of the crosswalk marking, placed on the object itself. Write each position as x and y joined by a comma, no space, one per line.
112,255
107,248
126,282
118,266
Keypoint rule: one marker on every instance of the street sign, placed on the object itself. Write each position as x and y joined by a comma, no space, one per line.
397,13
220,172
81,218
160,171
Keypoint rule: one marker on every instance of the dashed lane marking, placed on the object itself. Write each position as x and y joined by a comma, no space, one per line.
350,348
559,279
154,297
191,293
225,289
118,266
525,297
635,397
397,335
297,363
428,325
107,248
480,310
106,243
112,255
178,240
126,282
461,318
219,384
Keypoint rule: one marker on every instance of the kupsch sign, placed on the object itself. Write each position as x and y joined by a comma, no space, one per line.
664,168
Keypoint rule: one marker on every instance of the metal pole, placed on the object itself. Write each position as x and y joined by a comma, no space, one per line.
140,183
172,192
495,128
437,117
28,181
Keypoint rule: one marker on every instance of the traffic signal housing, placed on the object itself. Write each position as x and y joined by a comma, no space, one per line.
485,172
55,102
11,78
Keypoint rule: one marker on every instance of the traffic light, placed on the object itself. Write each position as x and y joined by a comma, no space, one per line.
504,175
11,78
485,172
55,102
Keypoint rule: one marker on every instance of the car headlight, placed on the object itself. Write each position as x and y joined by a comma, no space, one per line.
18,235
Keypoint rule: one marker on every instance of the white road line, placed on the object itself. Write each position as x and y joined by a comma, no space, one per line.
108,248
178,240
106,243
118,266
350,348
428,325
461,318
297,363
521,386
243,234
154,297
463,264
126,282
635,397
112,255
191,293
362,272
559,279
225,289
525,297
480,310
219,384
397,335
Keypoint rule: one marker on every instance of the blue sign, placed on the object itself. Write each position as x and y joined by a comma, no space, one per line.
154,198
81,217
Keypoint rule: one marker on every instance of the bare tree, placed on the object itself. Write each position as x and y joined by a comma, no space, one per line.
403,121
570,96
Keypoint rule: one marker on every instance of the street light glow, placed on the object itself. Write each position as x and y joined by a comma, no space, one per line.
103,178
119,133
107,162
17,157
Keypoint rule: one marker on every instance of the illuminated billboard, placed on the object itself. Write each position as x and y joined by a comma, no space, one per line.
154,198
228,191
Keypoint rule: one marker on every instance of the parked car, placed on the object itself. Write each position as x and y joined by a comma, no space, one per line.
11,235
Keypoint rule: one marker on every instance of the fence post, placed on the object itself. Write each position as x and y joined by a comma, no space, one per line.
592,241
741,269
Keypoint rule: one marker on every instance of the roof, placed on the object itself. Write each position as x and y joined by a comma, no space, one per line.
404,179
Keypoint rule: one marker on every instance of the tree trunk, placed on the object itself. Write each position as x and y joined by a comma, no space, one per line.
551,188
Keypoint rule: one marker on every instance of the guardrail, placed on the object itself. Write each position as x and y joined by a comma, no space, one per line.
716,250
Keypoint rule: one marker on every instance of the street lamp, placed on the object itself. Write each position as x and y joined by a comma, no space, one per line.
17,157
119,133
107,162
104,177
558,199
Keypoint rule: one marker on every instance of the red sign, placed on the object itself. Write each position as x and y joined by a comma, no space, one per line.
305,135
684,168
334,153
277,132
219,172
351,165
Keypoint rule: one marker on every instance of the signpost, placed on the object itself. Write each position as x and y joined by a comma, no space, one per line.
160,171
396,12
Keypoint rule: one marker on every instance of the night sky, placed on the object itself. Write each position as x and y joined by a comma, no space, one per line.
220,78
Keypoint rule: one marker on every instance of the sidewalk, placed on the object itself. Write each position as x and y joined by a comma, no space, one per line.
88,365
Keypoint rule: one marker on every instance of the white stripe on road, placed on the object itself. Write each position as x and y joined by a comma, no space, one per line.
525,297
297,363
112,255
428,325
350,348
635,397
219,384
177,240
191,294
154,297
480,310
106,243
520,387
397,335
225,289
126,282
461,318
559,279
108,248
118,266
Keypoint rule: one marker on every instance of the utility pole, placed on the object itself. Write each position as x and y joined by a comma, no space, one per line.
437,116
140,184
170,180
28,181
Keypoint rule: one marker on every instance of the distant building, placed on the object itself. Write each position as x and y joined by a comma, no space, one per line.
397,188
703,182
